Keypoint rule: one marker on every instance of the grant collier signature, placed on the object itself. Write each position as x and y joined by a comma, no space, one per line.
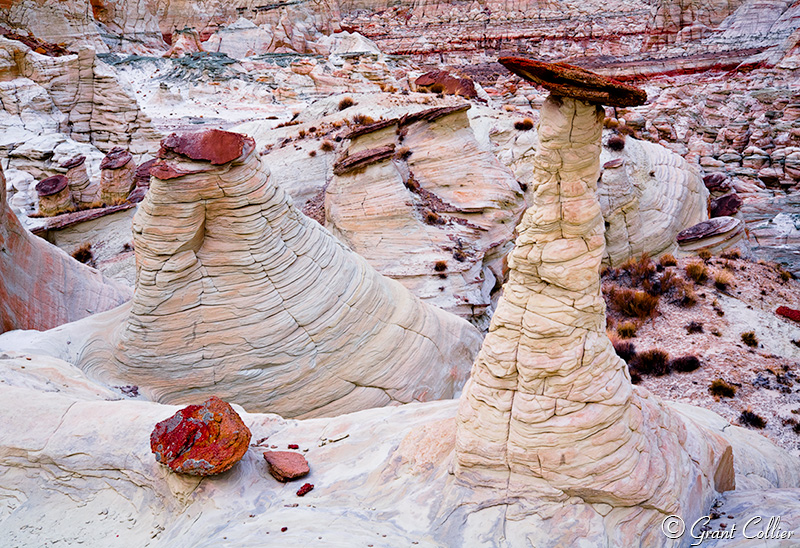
754,528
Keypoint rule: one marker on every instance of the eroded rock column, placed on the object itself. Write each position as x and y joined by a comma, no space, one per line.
550,409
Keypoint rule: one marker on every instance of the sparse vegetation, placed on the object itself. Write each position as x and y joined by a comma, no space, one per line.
749,338
685,364
84,254
696,270
723,279
731,254
440,266
437,87
633,303
459,255
346,102
432,218
651,362
694,327
403,153
704,254
362,120
748,418
627,329
722,389
639,269
668,259
526,124
624,349
327,146
312,153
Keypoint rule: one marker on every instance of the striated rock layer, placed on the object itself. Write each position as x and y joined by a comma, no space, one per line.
241,295
549,409
42,287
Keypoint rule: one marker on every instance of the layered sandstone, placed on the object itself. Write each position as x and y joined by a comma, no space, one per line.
239,294
42,287
549,411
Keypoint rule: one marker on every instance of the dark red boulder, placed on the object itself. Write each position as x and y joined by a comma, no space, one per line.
201,440
725,206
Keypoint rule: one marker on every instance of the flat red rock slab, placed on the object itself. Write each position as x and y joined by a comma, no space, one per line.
51,185
570,81
212,145
787,312
116,158
451,85
712,227
73,162
361,159
725,206
286,465
201,440
432,114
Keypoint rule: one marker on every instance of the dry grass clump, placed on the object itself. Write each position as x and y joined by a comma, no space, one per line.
440,266
362,120
722,389
668,259
704,254
651,362
694,327
403,153
432,218
748,418
685,364
723,279
749,338
459,255
633,303
525,124
346,102
697,271
624,349
627,329
731,254
616,143
84,254
640,269
327,146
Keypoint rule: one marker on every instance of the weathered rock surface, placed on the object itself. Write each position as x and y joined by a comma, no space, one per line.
201,440
286,465
117,172
42,287
390,461
221,250
549,411
419,199
54,196
716,235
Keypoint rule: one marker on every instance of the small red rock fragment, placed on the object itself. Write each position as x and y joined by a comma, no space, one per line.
305,489
787,312
201,440
284,529
286,465
294,446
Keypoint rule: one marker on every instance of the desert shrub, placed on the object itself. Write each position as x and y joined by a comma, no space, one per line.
633,303
84,254
697,271
731,254
362,120
525,124
685,364
459,255
301,134
686,296
668,259
651,362
627,329
694,327
437,87
624,349
346,102
749,338
432,218
722,389
440,266
327,146
723,279
639,269
748,418
403,153
616,143
312,153
704,254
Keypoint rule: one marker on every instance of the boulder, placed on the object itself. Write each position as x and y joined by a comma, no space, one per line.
54,196
725,206
201,440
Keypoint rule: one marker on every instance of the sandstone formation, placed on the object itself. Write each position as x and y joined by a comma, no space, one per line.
117,176
54,196
201,440
549,411
42,287
418,199
80,187
286,465
221,252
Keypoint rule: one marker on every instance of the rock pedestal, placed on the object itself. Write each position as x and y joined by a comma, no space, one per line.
117,172
80,188
54,196
549,410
